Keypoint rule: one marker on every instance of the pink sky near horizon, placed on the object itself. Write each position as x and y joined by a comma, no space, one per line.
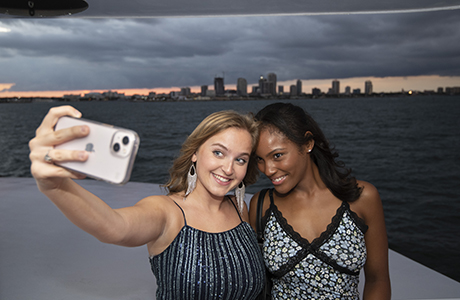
380,84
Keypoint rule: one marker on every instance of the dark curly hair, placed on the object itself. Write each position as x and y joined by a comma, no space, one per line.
294,122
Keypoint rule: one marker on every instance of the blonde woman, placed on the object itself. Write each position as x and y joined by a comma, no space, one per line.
198,238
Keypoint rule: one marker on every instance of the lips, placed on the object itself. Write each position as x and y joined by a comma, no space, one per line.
278,180
221,179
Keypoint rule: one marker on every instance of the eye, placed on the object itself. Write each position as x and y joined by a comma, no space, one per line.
277,155
258,159
241,161
217,153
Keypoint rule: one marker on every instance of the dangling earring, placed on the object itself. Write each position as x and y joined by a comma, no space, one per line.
239,193
191,180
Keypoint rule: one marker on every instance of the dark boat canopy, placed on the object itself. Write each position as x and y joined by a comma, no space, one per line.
179,8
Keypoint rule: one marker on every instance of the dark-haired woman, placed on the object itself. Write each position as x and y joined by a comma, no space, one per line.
320,225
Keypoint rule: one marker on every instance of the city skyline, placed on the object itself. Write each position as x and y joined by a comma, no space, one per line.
380,85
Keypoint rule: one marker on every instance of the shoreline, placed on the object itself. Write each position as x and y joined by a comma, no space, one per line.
143,98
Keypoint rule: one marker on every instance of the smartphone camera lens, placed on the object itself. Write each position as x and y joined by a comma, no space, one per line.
125,140
116,147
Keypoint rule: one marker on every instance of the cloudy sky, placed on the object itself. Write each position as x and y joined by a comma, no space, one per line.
396,51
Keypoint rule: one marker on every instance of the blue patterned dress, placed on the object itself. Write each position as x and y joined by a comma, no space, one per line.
204,265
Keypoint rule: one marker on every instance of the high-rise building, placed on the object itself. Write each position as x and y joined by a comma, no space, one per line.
204,89
293,90
270,88
315,91
368,87
299,87
185,91
271,83
281,89
242,87
262,84
335,87
219,86
347,90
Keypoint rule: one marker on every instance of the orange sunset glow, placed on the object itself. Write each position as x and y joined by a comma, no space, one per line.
380,85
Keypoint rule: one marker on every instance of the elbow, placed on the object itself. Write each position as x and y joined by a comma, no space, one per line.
109,235
117,237
377,288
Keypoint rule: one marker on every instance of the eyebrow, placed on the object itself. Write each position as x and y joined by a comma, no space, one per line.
274,150
220,145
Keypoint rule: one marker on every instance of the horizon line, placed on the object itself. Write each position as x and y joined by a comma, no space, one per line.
387,85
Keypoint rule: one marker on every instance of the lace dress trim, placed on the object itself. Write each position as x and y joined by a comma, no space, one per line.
313,247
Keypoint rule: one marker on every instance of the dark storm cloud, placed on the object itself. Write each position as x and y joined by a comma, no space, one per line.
61,54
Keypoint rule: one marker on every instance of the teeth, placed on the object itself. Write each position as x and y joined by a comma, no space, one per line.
223,179
278,179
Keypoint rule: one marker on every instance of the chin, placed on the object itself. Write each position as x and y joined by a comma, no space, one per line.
282,190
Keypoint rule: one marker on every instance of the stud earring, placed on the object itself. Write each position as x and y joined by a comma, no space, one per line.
240,191
191,180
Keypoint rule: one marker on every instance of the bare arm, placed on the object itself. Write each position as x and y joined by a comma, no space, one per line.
131,226
377,278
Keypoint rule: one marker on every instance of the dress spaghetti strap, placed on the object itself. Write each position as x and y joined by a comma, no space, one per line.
183,214
230,199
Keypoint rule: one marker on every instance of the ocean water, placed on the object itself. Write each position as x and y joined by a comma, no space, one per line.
408,147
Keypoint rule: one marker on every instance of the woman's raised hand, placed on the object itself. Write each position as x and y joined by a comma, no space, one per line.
43,155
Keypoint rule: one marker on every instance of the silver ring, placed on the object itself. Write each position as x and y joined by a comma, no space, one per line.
48,158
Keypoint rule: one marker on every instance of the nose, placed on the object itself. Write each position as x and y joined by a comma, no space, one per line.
227,167
268,168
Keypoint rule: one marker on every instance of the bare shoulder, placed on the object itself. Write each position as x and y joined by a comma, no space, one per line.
369,191
158,206
253,210
157,201
253,203
253,207
369,204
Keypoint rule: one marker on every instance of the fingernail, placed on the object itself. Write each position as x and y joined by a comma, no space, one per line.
77,114
84,129
82,155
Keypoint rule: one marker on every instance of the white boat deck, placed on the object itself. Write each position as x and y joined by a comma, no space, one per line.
44,256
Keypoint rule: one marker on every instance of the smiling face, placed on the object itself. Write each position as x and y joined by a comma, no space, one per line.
281,160
222,161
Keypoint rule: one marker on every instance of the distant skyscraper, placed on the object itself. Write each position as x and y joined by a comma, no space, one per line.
368,87
262,85
299,87
270,88
242,87
185,91
272,83
335,87
219,86
204,89
316,91
293,90
347,90
281,89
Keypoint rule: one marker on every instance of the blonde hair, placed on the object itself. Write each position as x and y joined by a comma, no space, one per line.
210,126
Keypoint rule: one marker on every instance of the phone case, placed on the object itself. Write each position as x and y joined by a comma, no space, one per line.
112,150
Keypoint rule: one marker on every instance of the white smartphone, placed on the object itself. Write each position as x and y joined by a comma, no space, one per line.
112,150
